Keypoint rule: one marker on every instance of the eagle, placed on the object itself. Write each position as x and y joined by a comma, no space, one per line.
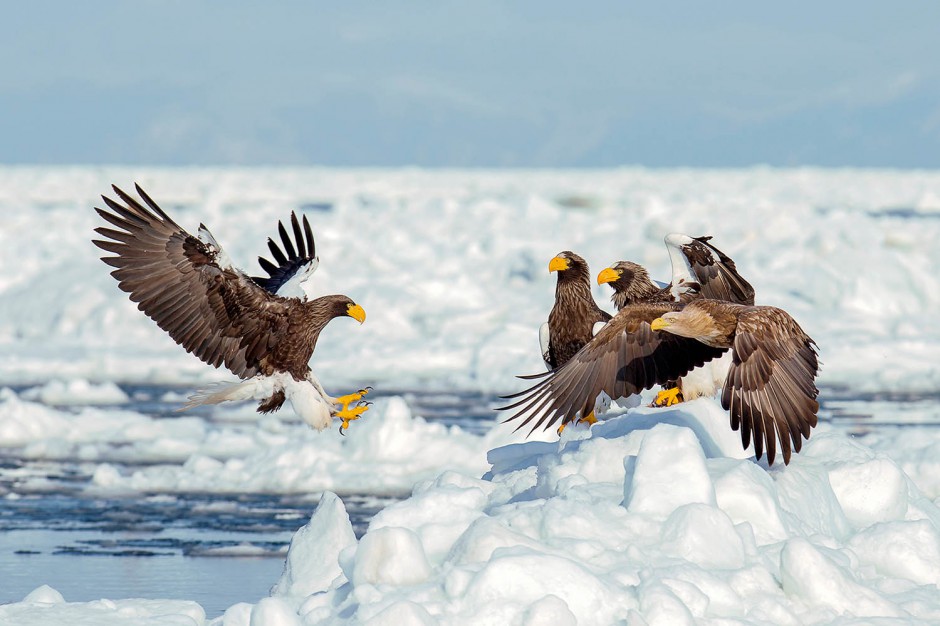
188,285
770,387
699,270
574,318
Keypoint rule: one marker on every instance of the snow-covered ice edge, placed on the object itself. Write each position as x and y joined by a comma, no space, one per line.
652,517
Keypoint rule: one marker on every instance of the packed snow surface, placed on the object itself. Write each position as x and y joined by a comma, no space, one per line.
634,522
651,517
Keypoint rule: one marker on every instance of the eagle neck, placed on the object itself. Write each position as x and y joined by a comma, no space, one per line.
635,291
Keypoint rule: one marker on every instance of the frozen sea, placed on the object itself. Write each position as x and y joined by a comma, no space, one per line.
109,492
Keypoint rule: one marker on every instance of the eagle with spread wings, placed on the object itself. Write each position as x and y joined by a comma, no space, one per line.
262,329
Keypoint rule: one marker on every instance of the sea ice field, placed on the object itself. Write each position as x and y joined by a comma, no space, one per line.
119,509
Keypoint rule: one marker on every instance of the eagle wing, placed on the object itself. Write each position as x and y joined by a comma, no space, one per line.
296,259
214,311
624,358
696,260
770,387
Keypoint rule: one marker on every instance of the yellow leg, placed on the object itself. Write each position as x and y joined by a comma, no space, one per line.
348,415
668,397
590,420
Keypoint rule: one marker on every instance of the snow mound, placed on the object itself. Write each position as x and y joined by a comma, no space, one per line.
76,392
631,522
45,606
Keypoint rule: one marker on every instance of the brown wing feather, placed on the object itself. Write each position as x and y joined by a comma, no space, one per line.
770,388
217,314
719,280
624,358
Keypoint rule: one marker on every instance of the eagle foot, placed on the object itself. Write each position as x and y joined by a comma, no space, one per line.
348,399
590,420
348,415
667,397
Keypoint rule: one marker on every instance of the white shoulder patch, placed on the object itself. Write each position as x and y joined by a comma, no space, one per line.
294,287
681,269
543,343
221,257
677,239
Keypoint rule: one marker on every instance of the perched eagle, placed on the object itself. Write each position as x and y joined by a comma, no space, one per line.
699,270
190,288
571,323
770,387
574,318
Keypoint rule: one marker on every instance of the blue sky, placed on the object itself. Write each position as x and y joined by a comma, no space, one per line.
493,84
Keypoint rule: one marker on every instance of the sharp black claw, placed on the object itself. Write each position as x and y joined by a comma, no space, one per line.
342,430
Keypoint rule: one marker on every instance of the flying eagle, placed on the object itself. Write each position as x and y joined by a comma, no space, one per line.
699,270
574,318
770,388
190,288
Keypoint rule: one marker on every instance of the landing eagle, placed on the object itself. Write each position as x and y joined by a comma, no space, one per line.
262,329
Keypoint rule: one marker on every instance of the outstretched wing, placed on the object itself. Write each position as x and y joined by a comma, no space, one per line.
770,387
294,263
694,260
624,358
211,309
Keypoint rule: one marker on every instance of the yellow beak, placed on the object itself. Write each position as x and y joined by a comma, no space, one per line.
659,323
558,264
607,275
356,312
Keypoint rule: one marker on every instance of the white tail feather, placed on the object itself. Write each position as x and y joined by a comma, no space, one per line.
222,392
306,396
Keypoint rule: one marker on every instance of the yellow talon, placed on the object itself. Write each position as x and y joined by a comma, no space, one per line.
668,397
348,399
348,415
590,420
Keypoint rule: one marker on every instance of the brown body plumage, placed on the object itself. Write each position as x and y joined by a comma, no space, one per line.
632,284
769,390
572,319
216,312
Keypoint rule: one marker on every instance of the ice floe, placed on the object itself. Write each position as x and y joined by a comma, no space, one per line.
631,522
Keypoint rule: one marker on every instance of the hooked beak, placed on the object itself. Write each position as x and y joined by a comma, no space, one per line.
659,323
356,312
558,264
608,275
